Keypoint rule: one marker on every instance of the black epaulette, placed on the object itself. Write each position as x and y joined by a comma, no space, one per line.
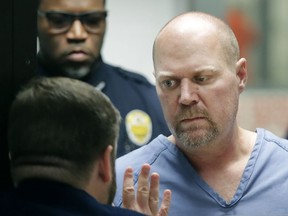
134,76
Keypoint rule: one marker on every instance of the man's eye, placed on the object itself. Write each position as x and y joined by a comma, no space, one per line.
200,79
92,21
58,20
168,83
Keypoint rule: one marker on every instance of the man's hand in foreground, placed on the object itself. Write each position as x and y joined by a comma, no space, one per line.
147,198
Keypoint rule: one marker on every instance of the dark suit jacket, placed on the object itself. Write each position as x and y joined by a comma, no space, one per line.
43,198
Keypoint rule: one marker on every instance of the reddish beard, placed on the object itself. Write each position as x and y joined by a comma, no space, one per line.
194,135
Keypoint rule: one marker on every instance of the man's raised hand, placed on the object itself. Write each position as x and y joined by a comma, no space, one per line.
146,199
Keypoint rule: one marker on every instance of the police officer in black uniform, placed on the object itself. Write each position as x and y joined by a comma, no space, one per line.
71,34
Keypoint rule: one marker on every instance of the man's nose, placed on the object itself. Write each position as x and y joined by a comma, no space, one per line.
189,93
77,31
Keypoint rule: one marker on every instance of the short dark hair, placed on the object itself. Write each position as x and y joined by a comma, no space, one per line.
55,120
39,1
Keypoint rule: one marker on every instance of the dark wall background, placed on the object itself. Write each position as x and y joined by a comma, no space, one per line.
17,64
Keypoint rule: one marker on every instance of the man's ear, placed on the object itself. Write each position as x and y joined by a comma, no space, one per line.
241,72
104,165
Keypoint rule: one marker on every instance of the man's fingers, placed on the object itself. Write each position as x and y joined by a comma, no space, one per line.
128,189
143,187
165,205
154,193
147,199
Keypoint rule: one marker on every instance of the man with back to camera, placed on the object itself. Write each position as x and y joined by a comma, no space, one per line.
62,138
213,166
71,34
